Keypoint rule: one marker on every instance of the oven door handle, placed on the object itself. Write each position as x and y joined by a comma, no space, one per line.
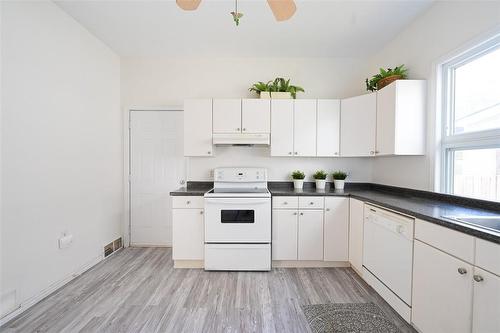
237,201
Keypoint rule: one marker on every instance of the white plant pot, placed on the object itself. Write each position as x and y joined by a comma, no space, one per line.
339,184
298,184
265,95
320,184
281,95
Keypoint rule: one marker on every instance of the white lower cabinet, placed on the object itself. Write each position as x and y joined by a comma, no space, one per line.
188,234
285,227
486,305
336,229
356,224
310,235
442,291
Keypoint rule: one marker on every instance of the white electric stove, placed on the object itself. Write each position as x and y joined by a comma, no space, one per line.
238,221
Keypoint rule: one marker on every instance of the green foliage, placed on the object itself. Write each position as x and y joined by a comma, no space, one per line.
320,175
371,84
298,175
339,175
279,84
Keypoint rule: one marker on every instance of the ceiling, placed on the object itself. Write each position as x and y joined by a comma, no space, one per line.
318,29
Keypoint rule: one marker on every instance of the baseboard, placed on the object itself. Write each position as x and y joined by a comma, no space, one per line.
309,263
189,264
147,245
49,290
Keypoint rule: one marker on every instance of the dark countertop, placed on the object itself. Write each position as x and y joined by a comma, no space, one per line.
428,206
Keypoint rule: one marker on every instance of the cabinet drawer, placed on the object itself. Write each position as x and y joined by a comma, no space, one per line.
311,202
487,256
188,202
450,241
285,202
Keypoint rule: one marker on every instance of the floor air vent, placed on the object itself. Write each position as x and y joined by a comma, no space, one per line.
113,246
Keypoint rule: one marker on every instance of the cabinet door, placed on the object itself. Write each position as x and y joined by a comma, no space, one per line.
256,115
227,115
198,127
356,223
358,116
442,291
284,234
187,234
328,127
386,116
486,307
304,127
336,229
310,235
282,127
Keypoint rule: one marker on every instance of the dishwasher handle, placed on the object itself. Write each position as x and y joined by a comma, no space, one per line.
400,226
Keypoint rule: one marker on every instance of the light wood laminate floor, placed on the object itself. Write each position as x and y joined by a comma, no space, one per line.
138,290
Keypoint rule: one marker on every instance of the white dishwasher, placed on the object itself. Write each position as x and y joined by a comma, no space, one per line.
388,256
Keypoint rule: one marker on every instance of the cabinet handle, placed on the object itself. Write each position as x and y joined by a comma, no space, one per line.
244,129
336,153
372,210
462,271
289,153
372,152
295,153
478,278
301,213
285,203
188,202
209,152
376,152
201,212
238,129
328,209
295,213
311,203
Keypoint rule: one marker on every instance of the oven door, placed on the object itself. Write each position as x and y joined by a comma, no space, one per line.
237,220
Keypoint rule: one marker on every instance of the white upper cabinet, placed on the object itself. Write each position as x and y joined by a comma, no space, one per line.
255,116
198,127
357,122
401,118
328,127
305,127
227,115
282,127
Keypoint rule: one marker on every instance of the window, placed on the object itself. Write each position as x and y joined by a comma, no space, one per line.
471,123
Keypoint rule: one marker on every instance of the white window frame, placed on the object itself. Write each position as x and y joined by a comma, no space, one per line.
451,142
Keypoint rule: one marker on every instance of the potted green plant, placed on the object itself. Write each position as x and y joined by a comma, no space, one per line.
385,77
278,88
298,179
320,179
339,179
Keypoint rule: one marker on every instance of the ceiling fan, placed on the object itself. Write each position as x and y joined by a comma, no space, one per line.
282,9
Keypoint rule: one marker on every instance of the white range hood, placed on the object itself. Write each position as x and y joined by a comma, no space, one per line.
241,139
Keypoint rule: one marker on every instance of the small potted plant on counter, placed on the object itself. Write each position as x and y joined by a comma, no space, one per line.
386,77
339,179
320,178
298,179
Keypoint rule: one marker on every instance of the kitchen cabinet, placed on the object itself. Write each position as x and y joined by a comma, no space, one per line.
442,291
310,235
304,138
281,127
227,115
486,305
285,231
356,223
401,118
336,229
187,228
358,119
255,116
328,127
198,127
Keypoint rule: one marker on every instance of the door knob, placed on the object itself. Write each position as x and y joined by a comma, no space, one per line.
478,278
462,271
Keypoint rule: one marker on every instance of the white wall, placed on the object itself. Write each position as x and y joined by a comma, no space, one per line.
148,81
446,26
61,147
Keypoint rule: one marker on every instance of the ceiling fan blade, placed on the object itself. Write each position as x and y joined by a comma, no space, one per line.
282,9
188,4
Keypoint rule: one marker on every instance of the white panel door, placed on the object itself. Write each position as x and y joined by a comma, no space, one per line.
188,234
486,316
256,115
356,225
328,127
284,234
198,127
227,115
304,127
157,166
282,127
336,229
310,235
358,117
442,291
